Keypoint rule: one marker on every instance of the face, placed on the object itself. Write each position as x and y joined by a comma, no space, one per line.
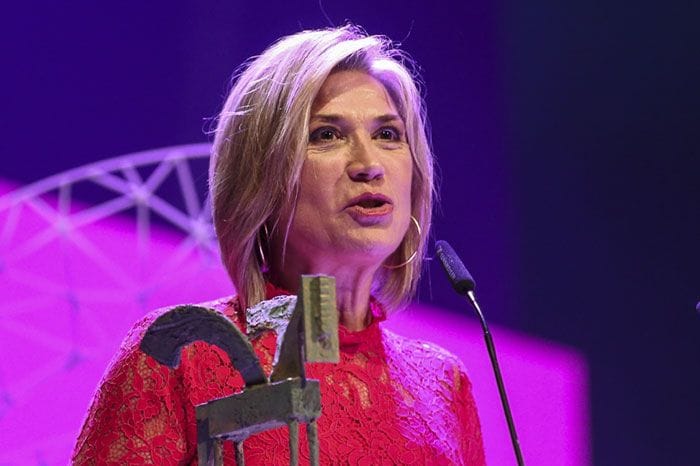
354,203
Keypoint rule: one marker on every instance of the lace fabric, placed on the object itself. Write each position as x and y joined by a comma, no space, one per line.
389,400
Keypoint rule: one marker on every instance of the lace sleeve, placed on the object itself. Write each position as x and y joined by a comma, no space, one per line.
137,416
465,406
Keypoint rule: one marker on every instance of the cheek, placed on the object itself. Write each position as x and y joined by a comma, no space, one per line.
404,182
318,181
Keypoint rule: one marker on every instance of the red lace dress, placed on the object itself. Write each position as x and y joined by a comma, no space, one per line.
390,400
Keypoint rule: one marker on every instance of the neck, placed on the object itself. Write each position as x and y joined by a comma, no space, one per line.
353,286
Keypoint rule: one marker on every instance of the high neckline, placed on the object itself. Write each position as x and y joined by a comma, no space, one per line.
346,337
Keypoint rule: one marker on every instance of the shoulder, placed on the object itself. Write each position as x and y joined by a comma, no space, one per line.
419,348
135,393
131,365
129,352
425,356
226,306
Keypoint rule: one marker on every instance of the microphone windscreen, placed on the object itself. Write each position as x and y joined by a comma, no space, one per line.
458,274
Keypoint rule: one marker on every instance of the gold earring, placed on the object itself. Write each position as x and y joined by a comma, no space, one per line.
415,253
264,267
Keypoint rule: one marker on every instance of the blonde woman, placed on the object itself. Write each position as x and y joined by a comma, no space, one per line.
321,164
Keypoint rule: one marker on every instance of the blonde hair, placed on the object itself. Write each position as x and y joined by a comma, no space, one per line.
260,147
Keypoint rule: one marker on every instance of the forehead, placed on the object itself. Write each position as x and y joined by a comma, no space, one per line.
344,90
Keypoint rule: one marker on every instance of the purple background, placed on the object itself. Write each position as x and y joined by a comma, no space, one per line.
567,137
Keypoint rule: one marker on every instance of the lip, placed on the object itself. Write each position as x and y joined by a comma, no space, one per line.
364,197
369,215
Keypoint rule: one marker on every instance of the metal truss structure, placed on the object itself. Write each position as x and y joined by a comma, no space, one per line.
75,275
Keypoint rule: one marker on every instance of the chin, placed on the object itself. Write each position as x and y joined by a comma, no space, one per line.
378,244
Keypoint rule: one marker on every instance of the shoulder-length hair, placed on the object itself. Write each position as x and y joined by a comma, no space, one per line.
260,146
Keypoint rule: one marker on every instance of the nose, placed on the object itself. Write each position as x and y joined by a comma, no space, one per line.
365,164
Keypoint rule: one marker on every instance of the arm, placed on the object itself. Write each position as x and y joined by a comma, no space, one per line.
138,415
471,442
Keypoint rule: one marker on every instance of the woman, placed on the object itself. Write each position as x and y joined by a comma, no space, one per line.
321,164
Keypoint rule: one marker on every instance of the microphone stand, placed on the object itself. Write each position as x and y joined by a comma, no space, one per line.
464,285
471,298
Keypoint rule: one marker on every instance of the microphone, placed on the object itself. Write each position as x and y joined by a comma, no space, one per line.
464,285
459,276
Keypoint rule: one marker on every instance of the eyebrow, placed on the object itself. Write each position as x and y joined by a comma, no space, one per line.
336,118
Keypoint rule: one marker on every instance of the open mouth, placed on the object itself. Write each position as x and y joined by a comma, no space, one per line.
371,203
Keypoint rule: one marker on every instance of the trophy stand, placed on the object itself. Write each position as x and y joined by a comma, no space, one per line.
286,398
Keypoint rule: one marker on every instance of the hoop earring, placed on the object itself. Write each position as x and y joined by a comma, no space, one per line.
415,253
264,267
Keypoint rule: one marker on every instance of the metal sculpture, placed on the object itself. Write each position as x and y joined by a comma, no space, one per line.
287,397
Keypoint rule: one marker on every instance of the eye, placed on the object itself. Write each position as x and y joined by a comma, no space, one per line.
324,134
389,133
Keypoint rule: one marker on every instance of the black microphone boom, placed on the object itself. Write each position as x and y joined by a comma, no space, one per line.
463,283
